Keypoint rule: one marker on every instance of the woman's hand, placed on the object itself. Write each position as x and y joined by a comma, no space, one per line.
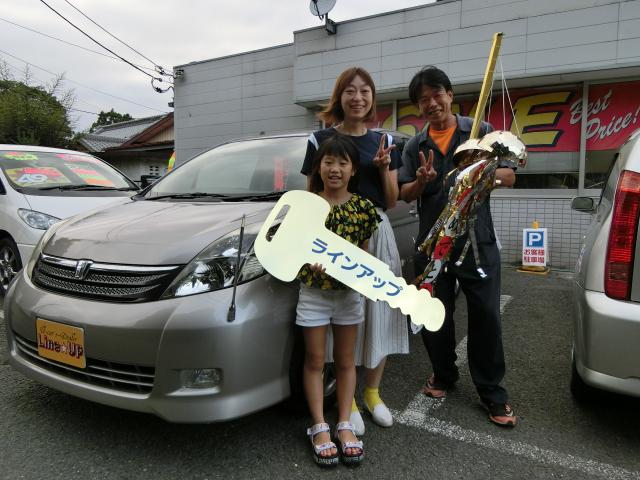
383,155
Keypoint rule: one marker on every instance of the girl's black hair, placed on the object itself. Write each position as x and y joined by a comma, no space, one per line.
340,146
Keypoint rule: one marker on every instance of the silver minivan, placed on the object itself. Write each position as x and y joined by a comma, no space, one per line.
159,305
606,343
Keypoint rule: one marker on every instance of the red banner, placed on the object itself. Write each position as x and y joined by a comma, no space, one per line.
549,119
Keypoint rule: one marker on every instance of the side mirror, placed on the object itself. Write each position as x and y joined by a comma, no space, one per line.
146,180
583,204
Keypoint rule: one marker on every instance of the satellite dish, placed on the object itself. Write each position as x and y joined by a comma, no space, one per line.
320,8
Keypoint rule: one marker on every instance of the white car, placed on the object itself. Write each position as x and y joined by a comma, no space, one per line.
40,186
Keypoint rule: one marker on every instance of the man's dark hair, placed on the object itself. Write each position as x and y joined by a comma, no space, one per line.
431,77
340,146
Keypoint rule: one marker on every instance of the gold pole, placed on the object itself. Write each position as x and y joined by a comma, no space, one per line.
486,84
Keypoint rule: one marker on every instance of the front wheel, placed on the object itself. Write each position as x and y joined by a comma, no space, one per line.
10,263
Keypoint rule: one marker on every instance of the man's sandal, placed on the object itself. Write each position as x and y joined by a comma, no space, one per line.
349,459
501,414
322,460
434,389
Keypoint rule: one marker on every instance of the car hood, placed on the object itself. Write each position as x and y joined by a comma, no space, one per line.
64,207
151,232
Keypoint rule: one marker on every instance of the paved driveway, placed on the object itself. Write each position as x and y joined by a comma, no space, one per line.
46,434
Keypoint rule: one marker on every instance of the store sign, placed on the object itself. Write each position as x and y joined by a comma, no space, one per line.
549,119
534,247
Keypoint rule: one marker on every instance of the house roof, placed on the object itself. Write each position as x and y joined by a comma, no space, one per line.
145,137
114,135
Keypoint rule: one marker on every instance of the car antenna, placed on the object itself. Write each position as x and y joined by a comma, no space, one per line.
231,314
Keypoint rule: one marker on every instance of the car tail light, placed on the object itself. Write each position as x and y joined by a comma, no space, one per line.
622,237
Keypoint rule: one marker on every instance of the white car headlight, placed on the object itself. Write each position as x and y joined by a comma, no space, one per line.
38,220
216,266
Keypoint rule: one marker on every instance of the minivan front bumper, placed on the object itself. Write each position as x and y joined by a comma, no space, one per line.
166,338
606,347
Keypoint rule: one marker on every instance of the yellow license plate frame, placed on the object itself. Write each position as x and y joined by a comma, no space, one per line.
61,342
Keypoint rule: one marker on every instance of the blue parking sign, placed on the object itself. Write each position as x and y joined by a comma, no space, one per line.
534,247
534,238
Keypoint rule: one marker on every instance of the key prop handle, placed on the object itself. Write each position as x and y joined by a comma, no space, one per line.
302,237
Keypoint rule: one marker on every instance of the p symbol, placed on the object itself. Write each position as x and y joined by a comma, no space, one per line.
535,239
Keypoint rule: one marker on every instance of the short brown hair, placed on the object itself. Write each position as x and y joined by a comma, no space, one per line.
332,112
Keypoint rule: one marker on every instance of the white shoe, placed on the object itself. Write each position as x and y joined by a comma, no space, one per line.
356,420
380,414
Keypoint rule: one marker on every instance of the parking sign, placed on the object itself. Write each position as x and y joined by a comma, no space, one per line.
534,247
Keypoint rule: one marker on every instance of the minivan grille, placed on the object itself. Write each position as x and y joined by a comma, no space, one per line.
102,281
116,376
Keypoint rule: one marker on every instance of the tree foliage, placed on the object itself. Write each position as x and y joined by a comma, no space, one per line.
34,115
108,118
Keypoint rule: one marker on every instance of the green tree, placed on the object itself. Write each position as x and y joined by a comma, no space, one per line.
31,116
108,118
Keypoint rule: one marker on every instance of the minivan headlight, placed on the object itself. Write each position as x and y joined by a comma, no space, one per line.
38,220
46,236
215,267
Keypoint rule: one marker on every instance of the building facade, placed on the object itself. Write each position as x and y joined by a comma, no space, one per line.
571,91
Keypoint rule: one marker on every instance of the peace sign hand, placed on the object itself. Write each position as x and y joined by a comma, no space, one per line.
383,157
425,173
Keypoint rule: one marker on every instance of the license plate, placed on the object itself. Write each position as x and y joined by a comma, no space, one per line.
60,342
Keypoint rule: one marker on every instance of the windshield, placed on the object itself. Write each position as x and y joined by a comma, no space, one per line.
32,171
250,167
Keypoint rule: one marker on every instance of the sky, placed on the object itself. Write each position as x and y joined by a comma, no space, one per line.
166,32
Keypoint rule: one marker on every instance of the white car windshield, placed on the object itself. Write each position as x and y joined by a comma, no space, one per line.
250,167
31,171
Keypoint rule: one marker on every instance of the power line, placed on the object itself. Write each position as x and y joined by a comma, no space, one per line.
68,43
106,48
84,111
110,34
24,71
81,84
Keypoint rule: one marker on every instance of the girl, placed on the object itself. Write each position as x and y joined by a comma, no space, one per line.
352,105
323,300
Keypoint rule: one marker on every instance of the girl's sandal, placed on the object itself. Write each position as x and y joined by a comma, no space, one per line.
349,459
322,460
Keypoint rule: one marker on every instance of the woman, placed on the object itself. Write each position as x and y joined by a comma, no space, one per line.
352,105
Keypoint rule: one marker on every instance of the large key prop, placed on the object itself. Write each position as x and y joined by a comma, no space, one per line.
301,237
476,162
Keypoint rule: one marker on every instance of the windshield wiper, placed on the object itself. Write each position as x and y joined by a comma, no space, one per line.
87,187
259,196
188,195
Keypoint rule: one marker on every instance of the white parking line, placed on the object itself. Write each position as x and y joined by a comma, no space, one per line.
417,414
420,419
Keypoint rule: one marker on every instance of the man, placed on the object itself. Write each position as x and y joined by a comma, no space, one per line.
427,158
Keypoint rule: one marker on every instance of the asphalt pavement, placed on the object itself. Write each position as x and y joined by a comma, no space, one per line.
48,435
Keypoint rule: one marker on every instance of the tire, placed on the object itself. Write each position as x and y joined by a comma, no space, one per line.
579,389
298,399
10,263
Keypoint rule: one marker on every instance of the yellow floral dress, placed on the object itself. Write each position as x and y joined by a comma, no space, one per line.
354,220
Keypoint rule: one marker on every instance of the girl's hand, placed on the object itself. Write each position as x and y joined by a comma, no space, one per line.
383,157
317,268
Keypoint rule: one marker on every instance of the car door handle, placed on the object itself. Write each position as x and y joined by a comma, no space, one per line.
413,211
